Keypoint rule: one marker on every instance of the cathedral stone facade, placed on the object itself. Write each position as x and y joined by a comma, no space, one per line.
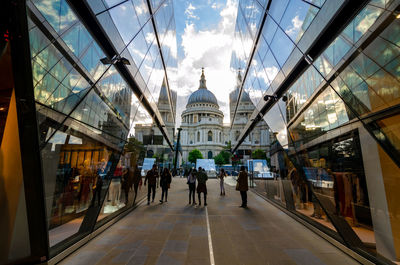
203,128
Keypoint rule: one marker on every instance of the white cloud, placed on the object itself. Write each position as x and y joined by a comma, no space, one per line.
212,50
190,12
295,27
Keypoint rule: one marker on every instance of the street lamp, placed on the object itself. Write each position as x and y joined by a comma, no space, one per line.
177,150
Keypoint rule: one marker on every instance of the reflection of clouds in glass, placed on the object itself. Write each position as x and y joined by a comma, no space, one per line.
368,20
268,74
295,27
275,121
125,20
59,20
141,8
255,95
170,42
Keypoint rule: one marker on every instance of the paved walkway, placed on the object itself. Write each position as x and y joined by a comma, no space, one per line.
176,233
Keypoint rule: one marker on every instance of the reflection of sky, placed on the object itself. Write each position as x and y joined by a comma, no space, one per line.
205,15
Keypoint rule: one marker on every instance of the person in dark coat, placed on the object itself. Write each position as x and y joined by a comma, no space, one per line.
191,181
126,183
201,185
151,176
136,178
243,186
165,182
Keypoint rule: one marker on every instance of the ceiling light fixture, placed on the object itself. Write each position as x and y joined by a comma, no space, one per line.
115,60
275,98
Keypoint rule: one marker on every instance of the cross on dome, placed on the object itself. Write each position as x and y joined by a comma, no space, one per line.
202,80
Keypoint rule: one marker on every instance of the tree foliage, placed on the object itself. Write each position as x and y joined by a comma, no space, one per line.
226,155
222,158
219,159
228,146
194,155
259,154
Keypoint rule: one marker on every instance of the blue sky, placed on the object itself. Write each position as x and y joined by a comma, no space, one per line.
204,32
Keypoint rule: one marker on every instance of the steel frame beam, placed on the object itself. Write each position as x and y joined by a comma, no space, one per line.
28,131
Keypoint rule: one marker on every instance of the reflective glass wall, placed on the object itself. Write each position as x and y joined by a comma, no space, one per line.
334,118
88,103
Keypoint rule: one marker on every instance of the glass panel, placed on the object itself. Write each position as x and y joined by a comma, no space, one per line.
71,181
125,20
77,39
277,9
57,13
335,170
281,46
297,18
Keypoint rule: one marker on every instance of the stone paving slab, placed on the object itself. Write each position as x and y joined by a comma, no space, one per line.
176,233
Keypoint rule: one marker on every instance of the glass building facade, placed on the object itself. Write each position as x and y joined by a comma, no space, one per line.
95,69
324,75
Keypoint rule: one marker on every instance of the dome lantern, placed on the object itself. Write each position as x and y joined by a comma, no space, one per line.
202,95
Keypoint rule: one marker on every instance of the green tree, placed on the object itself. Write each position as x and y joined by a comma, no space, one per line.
228,146
194,155
226,156
219,159
259,154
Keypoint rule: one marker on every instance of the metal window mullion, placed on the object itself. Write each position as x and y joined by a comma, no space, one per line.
160,50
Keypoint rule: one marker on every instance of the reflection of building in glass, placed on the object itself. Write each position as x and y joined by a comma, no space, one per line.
151,136
96,70
335,145
203,128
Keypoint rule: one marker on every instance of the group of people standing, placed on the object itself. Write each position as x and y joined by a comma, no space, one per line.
201,177
165,183
196,180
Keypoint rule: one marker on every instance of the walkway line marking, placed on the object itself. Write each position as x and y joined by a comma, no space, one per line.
210,247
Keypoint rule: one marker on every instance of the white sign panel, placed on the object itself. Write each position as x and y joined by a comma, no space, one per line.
207,164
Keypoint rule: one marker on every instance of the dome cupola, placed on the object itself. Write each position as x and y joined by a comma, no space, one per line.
202,95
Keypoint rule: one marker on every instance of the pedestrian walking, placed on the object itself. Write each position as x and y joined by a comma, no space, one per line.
201,185
191,181
151,177
126,183
221,177
242,186
165,182
137,180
